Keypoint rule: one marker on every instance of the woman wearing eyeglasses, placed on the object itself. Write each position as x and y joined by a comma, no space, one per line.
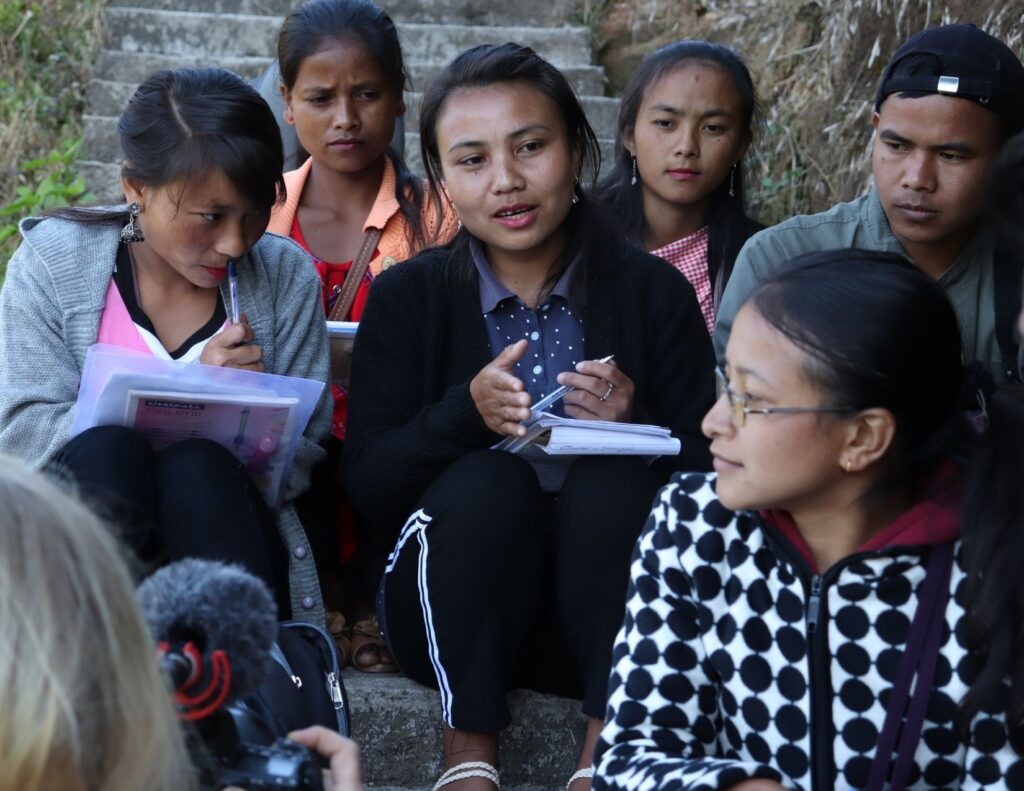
839,604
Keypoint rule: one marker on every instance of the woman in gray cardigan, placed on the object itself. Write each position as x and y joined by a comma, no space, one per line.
202,171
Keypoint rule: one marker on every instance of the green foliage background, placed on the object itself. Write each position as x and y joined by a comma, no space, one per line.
47,48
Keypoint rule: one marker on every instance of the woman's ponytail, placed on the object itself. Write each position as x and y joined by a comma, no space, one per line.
993,545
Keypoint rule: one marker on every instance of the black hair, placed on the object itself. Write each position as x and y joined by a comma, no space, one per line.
996,599
993,545
316,23
182,124
490,64
881,333
726,215
1006,192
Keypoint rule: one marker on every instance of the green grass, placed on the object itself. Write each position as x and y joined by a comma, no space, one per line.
47,48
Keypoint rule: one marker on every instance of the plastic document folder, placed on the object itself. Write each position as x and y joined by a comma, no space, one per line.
259,417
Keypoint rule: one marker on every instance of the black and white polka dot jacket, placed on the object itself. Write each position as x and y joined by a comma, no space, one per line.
736,662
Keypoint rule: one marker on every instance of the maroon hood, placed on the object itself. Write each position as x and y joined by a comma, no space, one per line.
932,521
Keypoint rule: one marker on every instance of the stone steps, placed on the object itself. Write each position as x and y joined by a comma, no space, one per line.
147,35
134,67
249,35
398,726
541,13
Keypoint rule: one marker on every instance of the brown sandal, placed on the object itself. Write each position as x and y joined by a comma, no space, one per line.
342,634
366,637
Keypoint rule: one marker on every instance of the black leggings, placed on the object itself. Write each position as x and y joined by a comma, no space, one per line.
494,584
192,499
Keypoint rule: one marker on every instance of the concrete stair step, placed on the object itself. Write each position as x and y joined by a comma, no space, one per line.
398,726
132,68
563,46
109,97
189,32
472,12
147,35
247,35
586,80
277,8
99,138
102,179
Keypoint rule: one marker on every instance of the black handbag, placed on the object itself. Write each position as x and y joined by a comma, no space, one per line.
303,688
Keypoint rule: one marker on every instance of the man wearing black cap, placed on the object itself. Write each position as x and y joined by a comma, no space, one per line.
949,99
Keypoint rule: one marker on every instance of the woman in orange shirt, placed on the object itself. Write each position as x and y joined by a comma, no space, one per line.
342,77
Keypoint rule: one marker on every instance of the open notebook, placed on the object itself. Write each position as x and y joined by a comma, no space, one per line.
561,436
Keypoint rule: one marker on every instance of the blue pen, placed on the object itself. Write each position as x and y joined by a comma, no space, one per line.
233,291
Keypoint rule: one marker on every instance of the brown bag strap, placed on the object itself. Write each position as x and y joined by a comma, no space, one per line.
355,275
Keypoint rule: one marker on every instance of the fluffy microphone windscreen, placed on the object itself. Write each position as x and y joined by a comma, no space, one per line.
216,606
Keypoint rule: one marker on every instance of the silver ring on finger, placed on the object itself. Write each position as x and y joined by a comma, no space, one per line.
608,392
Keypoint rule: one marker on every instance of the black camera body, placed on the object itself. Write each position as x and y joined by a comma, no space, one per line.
282,765
226,754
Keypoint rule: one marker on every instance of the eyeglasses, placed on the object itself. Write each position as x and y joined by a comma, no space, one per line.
740,410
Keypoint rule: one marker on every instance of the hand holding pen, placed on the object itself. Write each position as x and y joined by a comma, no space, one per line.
600,391
511,443
232,347
556,395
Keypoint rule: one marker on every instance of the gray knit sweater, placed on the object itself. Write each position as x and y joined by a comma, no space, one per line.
50,308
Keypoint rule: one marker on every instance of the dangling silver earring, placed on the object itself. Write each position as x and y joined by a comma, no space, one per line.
636,174
575,191
132,232
732,182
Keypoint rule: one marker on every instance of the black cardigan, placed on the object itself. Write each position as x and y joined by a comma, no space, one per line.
422,338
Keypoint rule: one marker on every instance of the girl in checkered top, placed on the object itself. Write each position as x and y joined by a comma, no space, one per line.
685,123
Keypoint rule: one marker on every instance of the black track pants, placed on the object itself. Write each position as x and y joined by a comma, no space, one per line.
192,499
495,585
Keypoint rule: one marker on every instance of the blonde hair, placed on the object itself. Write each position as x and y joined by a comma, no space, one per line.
84,707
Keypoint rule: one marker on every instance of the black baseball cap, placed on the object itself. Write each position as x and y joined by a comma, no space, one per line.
963,61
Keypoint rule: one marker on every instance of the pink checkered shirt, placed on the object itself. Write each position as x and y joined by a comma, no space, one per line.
690,256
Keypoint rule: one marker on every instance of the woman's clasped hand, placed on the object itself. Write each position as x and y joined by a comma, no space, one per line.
234,347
